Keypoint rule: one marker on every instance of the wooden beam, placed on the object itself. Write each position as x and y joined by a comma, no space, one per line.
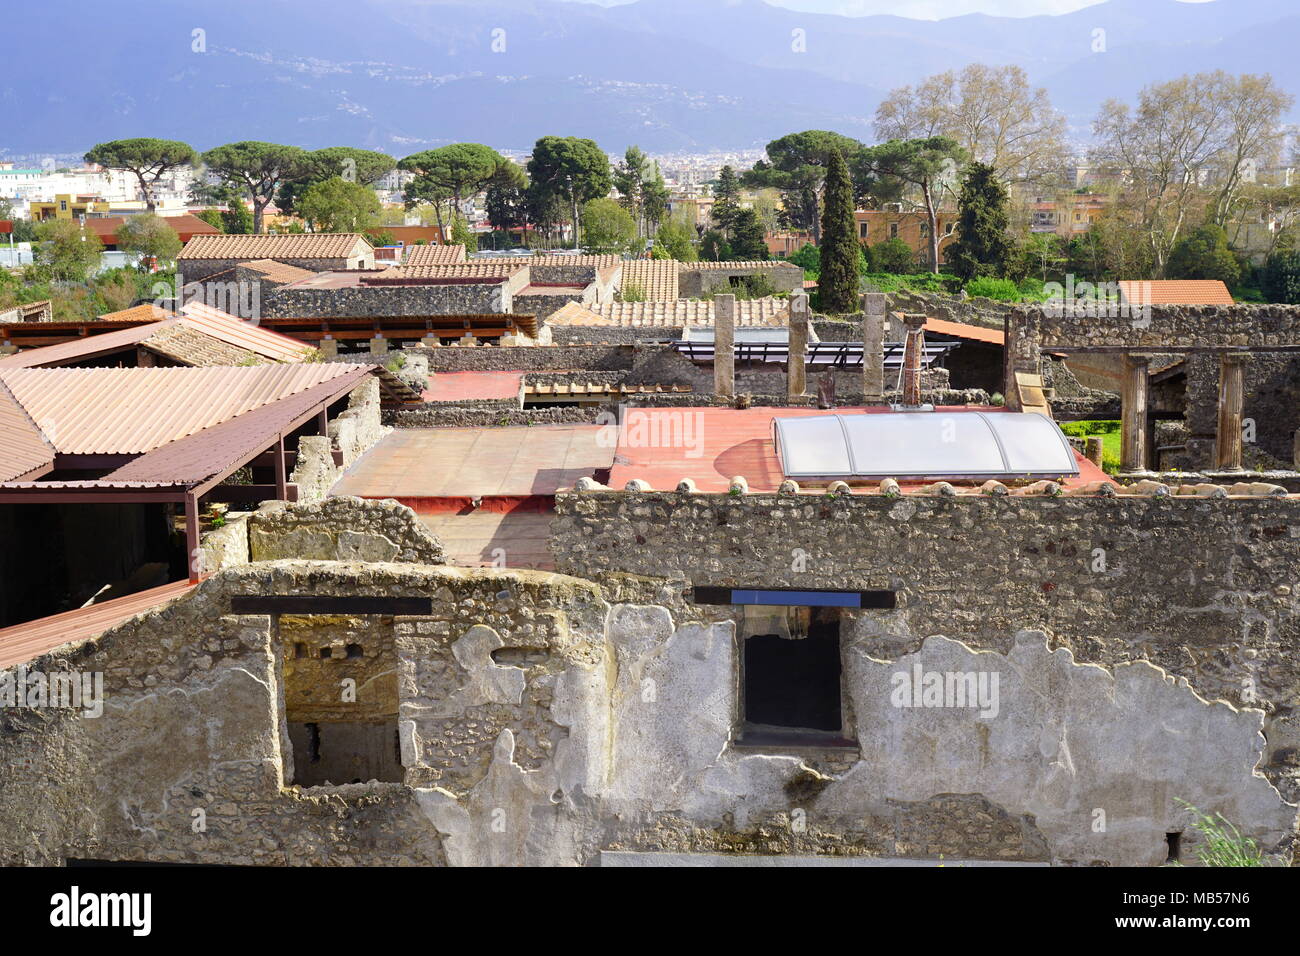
1228,437
328,604
1133,414
244,494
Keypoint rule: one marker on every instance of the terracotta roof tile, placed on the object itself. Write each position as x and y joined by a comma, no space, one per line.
303,245
656,278
189,346
459,270
433,255
137,313
274,271
768,312
1175,292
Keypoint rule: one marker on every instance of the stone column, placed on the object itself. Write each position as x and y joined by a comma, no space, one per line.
796,367
328,346
873,348
379,345
1133,424
724,342
431,341
1227,442
1020,353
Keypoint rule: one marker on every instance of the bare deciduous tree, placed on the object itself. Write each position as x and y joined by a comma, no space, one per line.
992,112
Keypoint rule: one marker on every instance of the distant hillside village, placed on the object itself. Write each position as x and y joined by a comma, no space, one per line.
906,503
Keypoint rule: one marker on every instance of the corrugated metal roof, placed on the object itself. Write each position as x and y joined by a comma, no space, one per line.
118,411
961,330
79,349
245,335
200,456
22,446
24,642
306,245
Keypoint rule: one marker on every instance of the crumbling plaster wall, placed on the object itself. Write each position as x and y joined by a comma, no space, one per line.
1204,588
543,719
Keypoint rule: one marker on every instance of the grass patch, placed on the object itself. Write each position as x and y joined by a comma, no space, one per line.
1111,440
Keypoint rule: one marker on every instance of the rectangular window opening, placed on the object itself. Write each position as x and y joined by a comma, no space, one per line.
791,677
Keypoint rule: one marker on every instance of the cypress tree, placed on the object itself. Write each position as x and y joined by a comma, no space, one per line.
982,247
837,286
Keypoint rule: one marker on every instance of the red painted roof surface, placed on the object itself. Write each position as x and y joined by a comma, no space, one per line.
713,445
459,386
23,642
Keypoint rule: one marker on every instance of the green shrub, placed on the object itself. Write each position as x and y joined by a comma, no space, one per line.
1001,290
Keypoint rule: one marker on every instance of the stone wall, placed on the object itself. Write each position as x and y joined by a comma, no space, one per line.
693,283
196,270
495,358
449,415
1201,587
1186,326
543,720
410,365
342,529
475,298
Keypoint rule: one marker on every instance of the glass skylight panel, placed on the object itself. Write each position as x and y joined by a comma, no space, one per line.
923,445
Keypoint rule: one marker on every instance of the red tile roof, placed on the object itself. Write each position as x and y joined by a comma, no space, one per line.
1175,292
302,245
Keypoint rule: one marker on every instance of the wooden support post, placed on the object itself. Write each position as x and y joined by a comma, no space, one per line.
873,348
796,368
724,345
1228,439
281,475
323,422
1133,425
193,559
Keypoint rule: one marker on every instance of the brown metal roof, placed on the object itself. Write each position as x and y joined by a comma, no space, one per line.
214,450
23,642
307,245
116,411
23,449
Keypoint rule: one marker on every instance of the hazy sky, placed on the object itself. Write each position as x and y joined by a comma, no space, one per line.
932,9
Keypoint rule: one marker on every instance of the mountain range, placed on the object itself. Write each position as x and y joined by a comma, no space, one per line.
668,75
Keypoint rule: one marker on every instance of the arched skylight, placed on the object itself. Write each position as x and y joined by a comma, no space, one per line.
966,444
